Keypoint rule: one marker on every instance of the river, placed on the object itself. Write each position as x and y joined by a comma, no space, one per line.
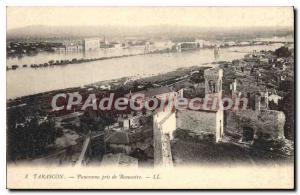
27,81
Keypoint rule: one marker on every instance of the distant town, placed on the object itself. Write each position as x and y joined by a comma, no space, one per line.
19,49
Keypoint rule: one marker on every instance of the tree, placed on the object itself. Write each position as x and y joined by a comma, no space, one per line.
135,86
198,77
283,52
30,140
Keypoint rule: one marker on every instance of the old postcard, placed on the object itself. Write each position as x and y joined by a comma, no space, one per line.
150,97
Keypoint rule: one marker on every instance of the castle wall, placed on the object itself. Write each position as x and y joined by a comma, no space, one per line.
164,124
157,143
266,123
167,159
168,122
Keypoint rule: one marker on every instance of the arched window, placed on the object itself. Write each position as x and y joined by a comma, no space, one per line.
211,86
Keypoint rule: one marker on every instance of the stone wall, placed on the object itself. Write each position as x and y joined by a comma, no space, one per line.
198,122
204,125
157,143
266,123
164,124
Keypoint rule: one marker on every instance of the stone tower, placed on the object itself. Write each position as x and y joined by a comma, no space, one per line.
213,81
213,89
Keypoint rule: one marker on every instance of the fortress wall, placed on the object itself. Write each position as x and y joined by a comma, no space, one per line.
267,122
164,124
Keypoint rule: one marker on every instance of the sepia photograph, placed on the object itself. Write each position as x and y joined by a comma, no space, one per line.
150,97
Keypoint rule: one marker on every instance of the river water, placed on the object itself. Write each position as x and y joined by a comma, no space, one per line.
27,81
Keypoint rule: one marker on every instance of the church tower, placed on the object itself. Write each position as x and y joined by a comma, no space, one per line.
213,81
213,89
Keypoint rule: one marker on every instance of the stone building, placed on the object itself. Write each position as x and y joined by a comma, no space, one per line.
204,123
250,124
257,121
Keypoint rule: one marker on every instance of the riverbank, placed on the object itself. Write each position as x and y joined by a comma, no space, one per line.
126,83
27,81
67,62
63,62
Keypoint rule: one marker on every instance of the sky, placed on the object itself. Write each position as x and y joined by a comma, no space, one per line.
223,17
